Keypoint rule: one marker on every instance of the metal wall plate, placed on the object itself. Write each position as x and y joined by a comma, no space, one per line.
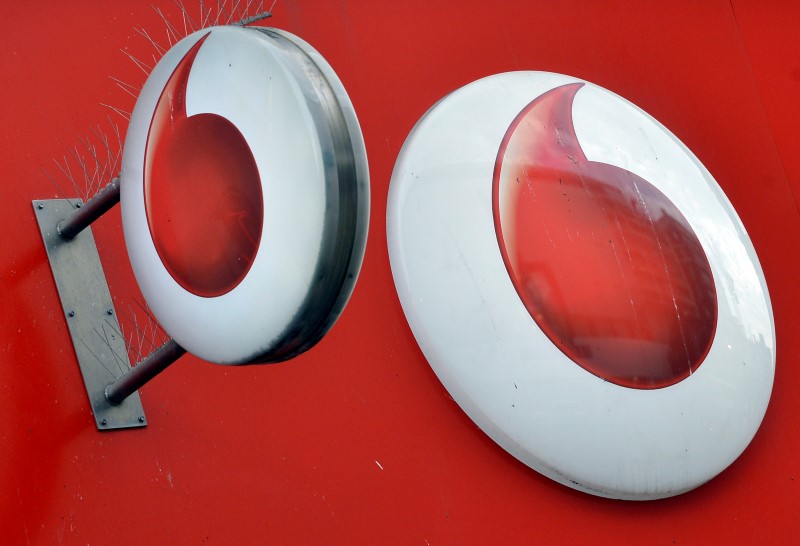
90,315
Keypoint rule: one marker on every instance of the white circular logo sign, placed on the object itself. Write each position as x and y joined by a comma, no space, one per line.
581,285
244,194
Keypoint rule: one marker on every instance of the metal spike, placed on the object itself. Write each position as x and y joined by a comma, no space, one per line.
142,32
144,67
123,113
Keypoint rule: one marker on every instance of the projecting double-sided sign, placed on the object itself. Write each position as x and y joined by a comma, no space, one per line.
245,194
245,206
581,285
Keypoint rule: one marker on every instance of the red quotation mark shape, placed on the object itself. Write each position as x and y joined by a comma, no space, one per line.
605,263
202,192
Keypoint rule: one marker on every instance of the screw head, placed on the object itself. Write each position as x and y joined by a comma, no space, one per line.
141,418
104,422
110,312
40,206
71,313
78,205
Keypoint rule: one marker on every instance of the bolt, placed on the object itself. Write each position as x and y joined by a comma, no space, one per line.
40,206
104,422
71,313
110,312
141,418
78,205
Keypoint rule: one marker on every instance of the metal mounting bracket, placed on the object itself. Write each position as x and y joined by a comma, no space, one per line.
90,315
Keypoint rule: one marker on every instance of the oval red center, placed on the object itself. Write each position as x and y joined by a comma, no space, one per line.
202,190
604,262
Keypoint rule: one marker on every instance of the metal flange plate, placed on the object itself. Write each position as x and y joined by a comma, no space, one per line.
90,315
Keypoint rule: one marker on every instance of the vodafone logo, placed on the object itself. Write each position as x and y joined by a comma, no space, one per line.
244,183
581,285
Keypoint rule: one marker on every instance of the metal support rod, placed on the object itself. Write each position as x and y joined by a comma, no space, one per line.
93,209
155,363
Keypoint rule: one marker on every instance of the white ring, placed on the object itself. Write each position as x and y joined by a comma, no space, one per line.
467,317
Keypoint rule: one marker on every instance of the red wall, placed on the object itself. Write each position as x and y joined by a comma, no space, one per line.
356,441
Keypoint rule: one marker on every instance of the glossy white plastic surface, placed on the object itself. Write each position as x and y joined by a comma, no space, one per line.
489,353
252,78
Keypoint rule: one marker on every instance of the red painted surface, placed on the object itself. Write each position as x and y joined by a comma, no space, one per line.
202,192
356,441
584,242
